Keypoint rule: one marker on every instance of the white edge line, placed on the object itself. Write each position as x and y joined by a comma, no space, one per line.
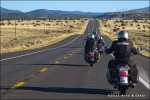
144,83
140,79
40,51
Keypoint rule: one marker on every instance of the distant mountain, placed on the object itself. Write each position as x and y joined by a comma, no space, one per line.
44,13
146,8
6,11
58,14
131,14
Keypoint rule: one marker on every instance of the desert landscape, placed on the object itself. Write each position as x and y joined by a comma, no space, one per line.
18,35
138,31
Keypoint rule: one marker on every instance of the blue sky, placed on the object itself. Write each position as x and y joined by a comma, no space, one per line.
85,6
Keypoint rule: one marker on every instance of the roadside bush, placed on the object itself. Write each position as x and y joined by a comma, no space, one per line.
123,27
9,23
105,25
37,21
138,25
2,24
116,29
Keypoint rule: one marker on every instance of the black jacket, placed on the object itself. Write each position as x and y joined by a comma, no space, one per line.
90,43
122,49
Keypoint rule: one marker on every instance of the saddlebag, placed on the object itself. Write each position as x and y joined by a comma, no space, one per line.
113,75
86,57
134,75
97,56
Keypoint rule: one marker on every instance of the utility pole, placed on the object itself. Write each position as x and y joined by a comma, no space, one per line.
28,27
15,26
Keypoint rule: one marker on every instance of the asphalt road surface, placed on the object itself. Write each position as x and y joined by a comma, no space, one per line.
60,72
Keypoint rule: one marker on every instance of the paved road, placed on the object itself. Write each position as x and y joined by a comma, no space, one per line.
60,72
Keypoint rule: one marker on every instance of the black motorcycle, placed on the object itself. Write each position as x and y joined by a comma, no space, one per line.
91,56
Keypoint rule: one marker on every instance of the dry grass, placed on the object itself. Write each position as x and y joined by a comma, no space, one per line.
138,32
37,33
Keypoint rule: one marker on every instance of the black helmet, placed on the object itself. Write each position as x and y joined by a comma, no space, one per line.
123,34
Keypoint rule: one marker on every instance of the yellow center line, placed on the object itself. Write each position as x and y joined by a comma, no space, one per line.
57,62
70,54
44,69
65,57
17,85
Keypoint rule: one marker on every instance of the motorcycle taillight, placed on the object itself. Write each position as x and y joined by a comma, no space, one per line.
123,73
91,54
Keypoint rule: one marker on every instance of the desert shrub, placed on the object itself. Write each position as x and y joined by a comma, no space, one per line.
146,35
144,26
71,26
143,30
138,25
37,21
123,27
46,32
131,24
9,23
123,24
116,29
105,25
34,25
37,24
139,28
2,24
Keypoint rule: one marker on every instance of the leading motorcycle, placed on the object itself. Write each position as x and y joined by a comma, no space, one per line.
122,77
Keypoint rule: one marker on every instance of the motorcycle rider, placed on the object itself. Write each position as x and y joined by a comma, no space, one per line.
90,43
122,49
101,44
101,41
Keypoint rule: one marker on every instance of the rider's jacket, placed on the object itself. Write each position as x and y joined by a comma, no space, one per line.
122,49
90,43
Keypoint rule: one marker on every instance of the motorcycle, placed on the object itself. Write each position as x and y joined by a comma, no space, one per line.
122,77
101,48
90,56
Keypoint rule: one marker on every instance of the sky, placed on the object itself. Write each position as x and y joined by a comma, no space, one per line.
85,6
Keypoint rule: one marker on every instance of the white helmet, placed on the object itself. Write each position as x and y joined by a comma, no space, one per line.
101,37
123,34
92,36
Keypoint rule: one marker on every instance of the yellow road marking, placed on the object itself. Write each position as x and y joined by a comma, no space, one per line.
65,57
57,62
73,52
70,54
44,69
17,85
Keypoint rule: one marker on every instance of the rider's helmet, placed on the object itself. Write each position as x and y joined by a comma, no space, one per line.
92,36
123,34
101,38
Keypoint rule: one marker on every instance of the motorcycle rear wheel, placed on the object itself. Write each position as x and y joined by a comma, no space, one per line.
123,90
91,64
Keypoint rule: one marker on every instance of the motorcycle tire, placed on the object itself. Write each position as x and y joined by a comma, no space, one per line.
123,90
91,64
